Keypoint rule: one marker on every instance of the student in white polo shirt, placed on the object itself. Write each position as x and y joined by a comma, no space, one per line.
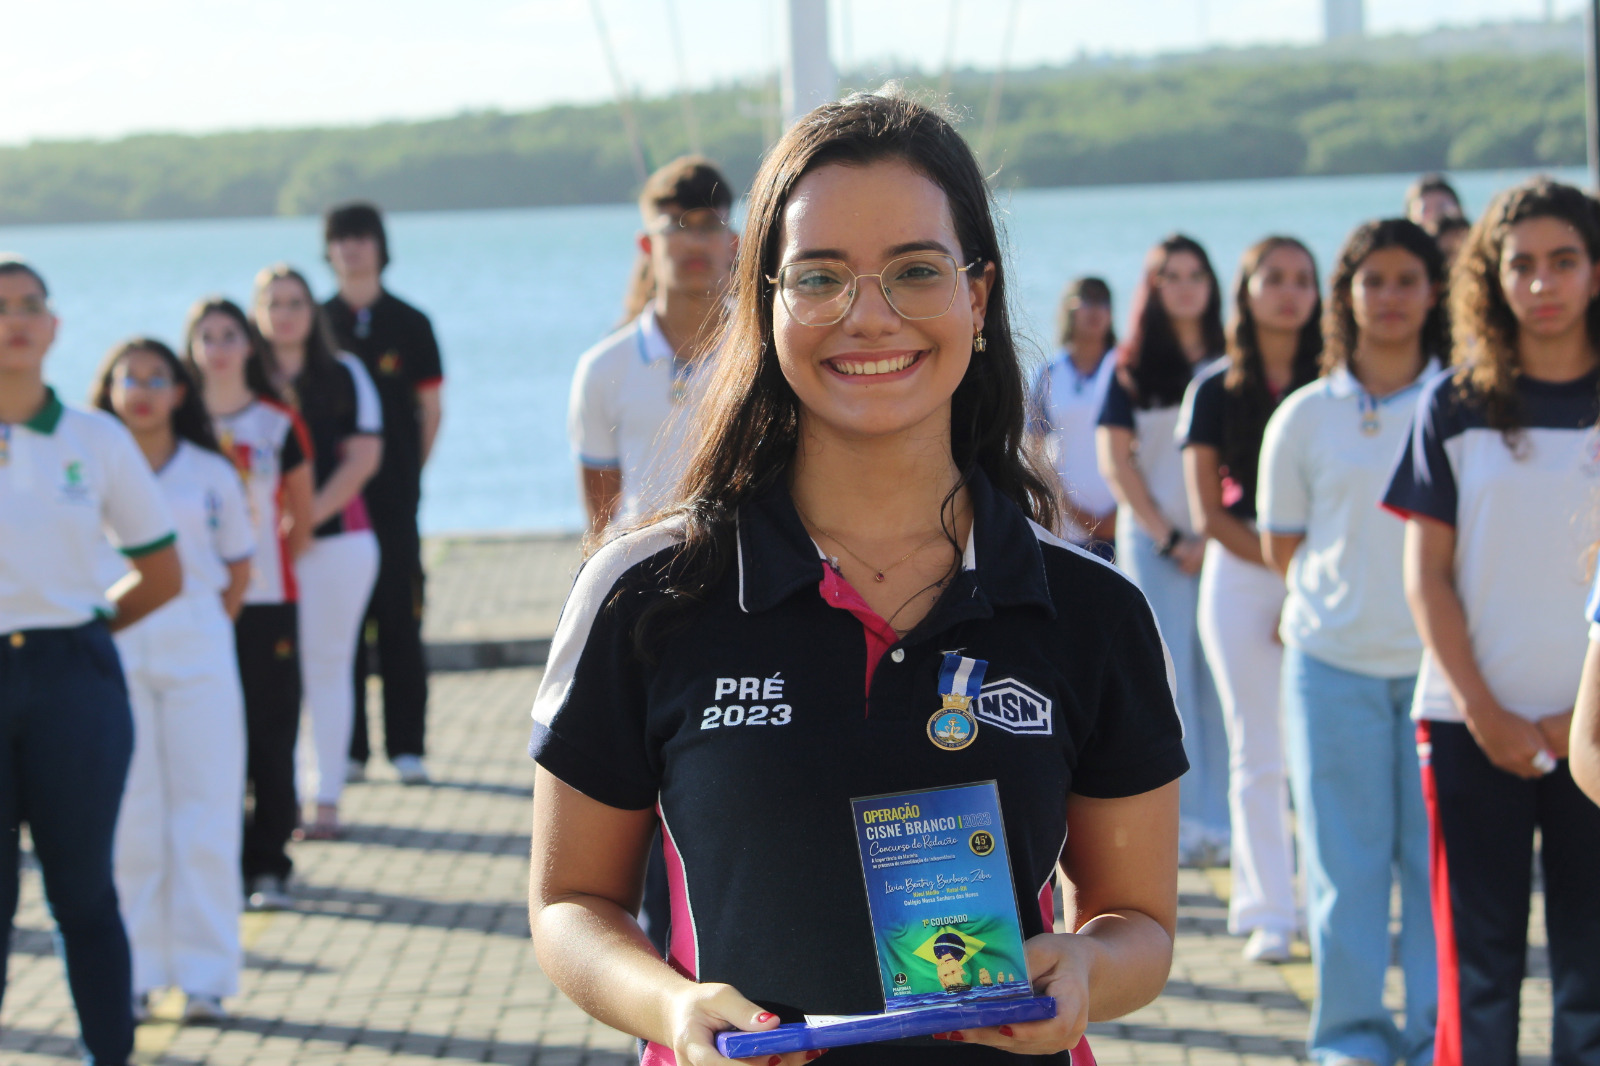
629,389
177,854
68,479
1498,487
1351,650
1066,401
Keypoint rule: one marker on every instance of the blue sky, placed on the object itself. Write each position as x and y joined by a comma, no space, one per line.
102,68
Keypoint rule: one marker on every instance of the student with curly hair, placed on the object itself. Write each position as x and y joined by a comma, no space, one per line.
1497,487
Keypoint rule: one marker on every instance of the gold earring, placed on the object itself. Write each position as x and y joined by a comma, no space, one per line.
979,344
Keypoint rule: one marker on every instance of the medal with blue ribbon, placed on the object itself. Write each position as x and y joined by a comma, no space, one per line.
954,725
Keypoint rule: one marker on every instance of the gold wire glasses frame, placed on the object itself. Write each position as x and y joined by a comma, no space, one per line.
820,292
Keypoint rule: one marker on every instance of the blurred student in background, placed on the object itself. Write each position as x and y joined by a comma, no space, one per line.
1067,397
627,414
178,836
396,345
339,406
1450,234
1351,650
1430,200
1176,328
270,449
628,390
69,480
1274,348
1498,488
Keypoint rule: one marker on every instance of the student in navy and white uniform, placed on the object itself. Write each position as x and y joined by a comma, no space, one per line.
69,479
859,506
337,401
1351,651
1067,398
1176,328
271,450
1498,487
178,837
1274,346
623,416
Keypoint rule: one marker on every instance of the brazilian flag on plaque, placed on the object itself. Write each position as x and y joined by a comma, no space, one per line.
944,916
944,911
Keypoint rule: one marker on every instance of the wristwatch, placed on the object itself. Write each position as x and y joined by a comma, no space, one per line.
1174,539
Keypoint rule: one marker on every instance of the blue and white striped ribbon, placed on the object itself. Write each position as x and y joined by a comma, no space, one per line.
961,676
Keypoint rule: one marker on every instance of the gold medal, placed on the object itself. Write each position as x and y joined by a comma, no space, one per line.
953,727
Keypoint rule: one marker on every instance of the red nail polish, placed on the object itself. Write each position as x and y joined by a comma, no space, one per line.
775,1060
813,1054
1005,1030
764,1017
957,1035
941,1036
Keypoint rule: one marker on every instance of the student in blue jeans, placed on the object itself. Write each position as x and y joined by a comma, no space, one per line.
66,732
1351,650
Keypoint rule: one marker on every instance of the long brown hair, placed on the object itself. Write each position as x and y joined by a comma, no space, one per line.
1250,401
255,369
1484,330
1151,365
1340,334
748,425
321,387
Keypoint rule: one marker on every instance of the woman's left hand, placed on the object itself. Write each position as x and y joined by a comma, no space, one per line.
1058,966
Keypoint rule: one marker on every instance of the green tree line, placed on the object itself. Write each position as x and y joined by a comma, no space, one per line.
1068,126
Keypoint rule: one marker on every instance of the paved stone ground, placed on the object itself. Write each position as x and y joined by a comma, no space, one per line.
410,941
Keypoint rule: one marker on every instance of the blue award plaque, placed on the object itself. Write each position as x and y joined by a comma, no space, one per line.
944,918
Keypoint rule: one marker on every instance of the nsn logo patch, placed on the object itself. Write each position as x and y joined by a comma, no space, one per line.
1014,707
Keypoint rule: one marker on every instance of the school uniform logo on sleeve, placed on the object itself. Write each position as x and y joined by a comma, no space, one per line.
1010,705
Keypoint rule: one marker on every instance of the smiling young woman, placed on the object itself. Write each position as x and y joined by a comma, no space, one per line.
1497,487
859,504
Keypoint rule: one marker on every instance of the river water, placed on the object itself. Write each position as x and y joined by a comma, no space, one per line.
516,295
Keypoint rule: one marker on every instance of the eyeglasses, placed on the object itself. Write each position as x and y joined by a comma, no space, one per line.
703,222
153,383
820,292
27,307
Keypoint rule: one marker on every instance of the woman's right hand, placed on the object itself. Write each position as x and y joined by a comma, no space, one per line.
702,1011
1509,740
1189,554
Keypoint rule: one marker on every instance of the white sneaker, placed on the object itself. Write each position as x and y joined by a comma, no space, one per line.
1267,945
202,1008
412,770
355,772
268,892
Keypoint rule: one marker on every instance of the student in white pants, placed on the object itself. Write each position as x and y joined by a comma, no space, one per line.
178,833
339,405
1175,329
1273,348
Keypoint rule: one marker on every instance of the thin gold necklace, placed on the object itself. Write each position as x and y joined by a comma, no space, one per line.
878,571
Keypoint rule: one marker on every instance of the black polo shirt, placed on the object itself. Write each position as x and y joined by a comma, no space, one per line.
398,348
1204,420
766,883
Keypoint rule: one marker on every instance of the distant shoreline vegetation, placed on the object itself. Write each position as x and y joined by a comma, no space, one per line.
1190,122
